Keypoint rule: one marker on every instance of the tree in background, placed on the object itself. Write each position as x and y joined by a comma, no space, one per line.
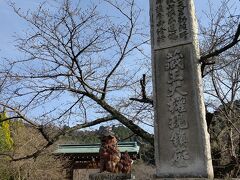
6,144
6,141
26,141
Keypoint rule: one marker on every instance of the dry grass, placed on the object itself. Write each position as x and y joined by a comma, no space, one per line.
142,171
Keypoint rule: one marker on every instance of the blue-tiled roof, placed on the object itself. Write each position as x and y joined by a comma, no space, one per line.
131,147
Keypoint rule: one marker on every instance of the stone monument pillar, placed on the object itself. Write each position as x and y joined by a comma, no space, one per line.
182,147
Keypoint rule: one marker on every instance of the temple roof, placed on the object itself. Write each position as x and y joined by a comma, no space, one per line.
130,147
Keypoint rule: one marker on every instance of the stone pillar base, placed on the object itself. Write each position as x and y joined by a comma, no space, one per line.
110,176
182,179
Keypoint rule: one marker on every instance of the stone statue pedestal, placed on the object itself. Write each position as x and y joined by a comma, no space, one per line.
110,176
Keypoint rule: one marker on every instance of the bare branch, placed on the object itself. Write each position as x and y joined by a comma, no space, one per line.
217,52
144,98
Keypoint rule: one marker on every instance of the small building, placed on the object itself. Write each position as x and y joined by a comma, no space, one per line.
84,158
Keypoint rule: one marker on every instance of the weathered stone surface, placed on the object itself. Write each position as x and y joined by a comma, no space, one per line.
172,23
110,176
182,148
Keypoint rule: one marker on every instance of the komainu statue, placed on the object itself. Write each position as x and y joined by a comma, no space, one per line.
110,156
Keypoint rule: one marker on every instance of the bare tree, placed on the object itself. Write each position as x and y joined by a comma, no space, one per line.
220,35
223,97
221,72
79,67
